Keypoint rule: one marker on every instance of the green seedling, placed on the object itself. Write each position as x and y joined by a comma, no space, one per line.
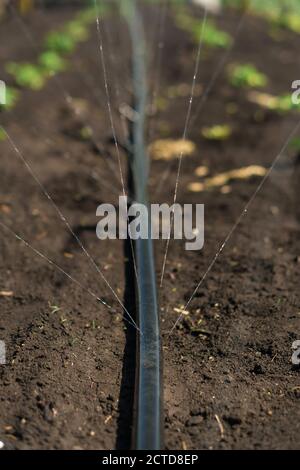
2,135
52,63
246,76
77,31
219,132
161,103
280,104
60,42
89,15
294,145
26,75
290,21
12,96
86,133
185,21
285,104
284,14
212,36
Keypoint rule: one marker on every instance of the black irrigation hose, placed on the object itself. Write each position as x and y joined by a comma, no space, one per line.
148,399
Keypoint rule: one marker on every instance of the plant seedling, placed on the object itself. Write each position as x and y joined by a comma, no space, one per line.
77,31
295,144
12,96
219,132
27,75
51,62
212,36
246,76
60,42
2,135
280,104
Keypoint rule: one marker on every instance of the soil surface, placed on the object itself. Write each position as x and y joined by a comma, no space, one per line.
228,377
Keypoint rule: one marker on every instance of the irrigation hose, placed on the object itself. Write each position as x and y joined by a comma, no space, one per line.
148,427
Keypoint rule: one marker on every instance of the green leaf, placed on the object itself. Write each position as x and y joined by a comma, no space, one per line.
77,31
295,144
212,36
60,42
2,135
52,62
246,76
27,75
219,132
12,96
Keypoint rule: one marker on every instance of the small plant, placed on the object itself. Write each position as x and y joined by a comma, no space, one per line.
295,144
280,104
219,132
246,76
77,31
2,135
12,96
51,62
289,21
285,104
284,14
212,36
88,15
86,133
60,42
26,75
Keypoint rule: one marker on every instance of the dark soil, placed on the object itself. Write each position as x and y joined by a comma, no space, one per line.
69,380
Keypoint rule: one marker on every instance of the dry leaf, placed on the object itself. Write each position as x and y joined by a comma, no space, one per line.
6,293
168,149
222,179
